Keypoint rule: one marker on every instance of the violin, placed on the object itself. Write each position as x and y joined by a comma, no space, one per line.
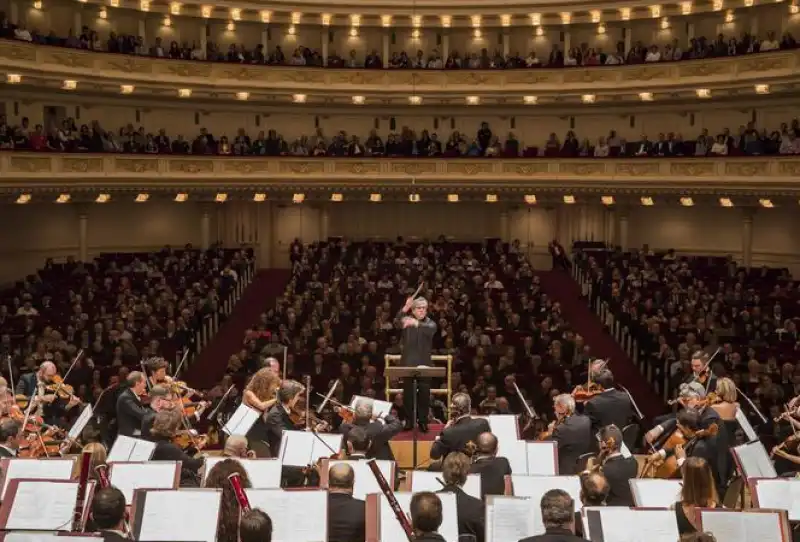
61,390
545,435
791,441
582,393
188,438
41,444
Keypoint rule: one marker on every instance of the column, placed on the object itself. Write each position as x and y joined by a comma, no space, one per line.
567,42
445,45
689,33
265,40
386,57
628,31
77,21
753,22
265,235
506,43
14,13
623,229
83,237
747,237
505,226
204,39
325,42
324,223
143,31
205,228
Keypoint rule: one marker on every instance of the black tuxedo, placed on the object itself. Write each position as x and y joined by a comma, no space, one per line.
555,535
147,423
166,450
618,471
346,518
429,537
456,437
379,435
277,422
493,471
27,385
130,413
111,536
610,407
574,438
417,343
471,513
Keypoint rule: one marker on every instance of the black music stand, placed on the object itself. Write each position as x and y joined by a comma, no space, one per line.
415,373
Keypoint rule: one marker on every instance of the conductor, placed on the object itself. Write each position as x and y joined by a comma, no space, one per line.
417,338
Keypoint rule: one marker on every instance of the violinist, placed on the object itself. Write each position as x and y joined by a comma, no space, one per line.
572,433
158,372
260,394
701,372
160,399
130,410
236,448
690,396
165,429
278,418
609,407
41,386
380,430
461,431
9,429
617,468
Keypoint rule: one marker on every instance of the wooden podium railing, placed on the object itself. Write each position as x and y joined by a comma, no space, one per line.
447,391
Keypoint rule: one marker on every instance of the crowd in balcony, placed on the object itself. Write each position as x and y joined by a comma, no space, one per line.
69,137
583,55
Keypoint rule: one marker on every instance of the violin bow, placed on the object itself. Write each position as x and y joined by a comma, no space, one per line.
144,371
180,365
327,396
11,375
221,402
64,380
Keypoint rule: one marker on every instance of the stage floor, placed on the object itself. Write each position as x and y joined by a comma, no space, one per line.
403,447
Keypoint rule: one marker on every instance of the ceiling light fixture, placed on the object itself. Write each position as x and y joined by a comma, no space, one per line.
647,201
181,197
222,197
259,197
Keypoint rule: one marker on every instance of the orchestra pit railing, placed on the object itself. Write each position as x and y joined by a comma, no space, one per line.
446,391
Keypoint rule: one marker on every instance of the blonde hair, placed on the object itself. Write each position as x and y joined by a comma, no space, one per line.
726,390
99,457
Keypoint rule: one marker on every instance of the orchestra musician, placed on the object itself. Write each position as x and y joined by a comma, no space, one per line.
255,526
379,430
164,431
229,510
160,399
493,469
358,444
158,372
260,394
130,410
701,372
594,492
278,418
572,433
426,517
346,514
236,448
417,339
617,468
108,514
41,386
697,491
9,429
461,430
558,516
471,512
609,407
273,365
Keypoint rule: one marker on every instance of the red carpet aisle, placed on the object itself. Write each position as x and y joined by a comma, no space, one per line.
209,367
566,291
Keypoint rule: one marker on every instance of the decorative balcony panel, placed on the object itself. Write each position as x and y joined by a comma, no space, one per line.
765,175
161,76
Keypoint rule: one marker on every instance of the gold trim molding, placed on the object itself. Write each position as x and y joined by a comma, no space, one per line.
759,175
102,72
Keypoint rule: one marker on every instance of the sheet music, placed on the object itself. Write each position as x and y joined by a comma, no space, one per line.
516,451
655,493
44,506
263,473
365,480
379,408
131,449
509,518
623,524
38,469
541,459
781,494
180,514
536,486
302,448
77,427
46,537
754,460
391,531
290,511
504,426
740,526
425,480
744,423
320,450
128,477
241,421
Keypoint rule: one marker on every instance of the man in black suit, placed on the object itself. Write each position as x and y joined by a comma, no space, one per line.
108,514
346,515
33,385
493,469
130,410
426,517
471,512
461,430
159,400
8,437
278,419
594,492
358,443
558,516
417,340
572,433
611,407
617,468
380,431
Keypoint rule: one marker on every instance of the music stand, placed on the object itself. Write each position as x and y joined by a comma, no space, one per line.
415,373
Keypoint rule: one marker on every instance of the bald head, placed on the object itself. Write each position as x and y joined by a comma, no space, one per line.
235,446
594,489
487,444
47,369
341,478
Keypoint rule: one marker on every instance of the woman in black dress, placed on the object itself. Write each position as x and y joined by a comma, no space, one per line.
698,491
261,394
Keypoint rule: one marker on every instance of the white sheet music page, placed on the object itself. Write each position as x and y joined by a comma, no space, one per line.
326,445
42,505
296,448
38,469
77,427
20,536
297,516
131,449
509,518
180,514
379,408
655,493
391,531
744,423
504,426
263,473
365,480
542,458
536,486
241,421
755,461
128,477
781,494
622,524
425,480
739,526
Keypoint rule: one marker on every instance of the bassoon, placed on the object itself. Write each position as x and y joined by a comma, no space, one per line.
241,497
83,481
389,494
